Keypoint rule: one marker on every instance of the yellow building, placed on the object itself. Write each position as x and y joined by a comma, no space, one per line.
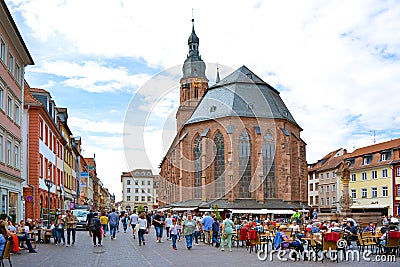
371,181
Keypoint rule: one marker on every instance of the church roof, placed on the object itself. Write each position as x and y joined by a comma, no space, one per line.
241,94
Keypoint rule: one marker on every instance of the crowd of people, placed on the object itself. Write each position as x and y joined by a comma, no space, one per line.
171,226
208,227
20,233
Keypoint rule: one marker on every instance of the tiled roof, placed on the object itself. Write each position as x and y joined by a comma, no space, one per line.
328,162
373,151
375,148
28,97
244,94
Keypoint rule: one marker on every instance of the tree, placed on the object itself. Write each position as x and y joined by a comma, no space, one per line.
216,212
140,209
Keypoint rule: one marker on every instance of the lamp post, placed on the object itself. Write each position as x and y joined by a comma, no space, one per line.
48,183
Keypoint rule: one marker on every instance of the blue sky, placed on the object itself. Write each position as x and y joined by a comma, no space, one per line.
336,64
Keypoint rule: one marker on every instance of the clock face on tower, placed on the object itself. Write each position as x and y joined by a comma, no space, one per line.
196,83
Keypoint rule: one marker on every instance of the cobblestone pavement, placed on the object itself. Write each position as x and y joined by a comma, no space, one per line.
124,251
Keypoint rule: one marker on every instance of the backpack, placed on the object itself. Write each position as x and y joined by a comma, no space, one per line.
94,224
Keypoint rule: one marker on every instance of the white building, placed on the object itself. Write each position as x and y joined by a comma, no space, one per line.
137,189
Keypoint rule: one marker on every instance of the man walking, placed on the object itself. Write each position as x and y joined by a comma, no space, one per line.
133,220
95,227
207,222
89,217
71,220
113,220
159,223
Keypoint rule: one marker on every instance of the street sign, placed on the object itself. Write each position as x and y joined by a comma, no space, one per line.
84,174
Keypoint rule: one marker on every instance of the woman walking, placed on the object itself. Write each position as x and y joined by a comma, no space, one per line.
59,230
142,228
227,230
168,223
188,227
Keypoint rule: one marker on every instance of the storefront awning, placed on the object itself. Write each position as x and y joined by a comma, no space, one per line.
283,212
259,211
205,209
183,209
163,209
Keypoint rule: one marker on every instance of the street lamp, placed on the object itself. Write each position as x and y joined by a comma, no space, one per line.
48,183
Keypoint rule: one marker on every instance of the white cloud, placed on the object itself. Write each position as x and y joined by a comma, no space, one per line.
86,125
92,76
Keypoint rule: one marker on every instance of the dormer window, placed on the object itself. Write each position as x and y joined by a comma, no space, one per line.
384,156
366,160
351,161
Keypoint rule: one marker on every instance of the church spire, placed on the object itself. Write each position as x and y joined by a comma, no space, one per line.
193,42
194,65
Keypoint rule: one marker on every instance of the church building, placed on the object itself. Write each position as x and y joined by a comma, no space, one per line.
237,145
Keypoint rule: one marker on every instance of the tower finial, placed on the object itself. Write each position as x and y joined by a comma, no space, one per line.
192,20
218,78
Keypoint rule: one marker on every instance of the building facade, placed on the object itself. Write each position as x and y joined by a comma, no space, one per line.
14,57
374,180
138,189
45,153
371,177
324,183
237,144
396,181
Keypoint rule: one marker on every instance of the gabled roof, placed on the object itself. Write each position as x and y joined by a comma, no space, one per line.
241,94
329,161
375,148
29,99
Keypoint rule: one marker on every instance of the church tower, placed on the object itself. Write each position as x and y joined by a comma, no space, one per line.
194,82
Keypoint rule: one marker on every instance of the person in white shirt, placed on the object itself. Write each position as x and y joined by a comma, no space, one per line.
133,220
142,228
294,227
168,223
174,231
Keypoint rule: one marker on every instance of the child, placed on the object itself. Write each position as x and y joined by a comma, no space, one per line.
197,233
174,231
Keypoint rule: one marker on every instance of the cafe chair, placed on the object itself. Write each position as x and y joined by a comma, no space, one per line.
7,252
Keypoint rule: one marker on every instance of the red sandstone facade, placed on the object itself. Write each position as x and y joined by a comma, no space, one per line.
45,150
205,161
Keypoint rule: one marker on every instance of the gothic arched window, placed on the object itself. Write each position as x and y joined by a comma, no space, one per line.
268,152
244,165
197,167
219,166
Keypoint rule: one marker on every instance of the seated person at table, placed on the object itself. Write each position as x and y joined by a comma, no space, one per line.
3,236
392,228
11,227
336,228
370,228
294,227
288,242
315,227
24,236
351,230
